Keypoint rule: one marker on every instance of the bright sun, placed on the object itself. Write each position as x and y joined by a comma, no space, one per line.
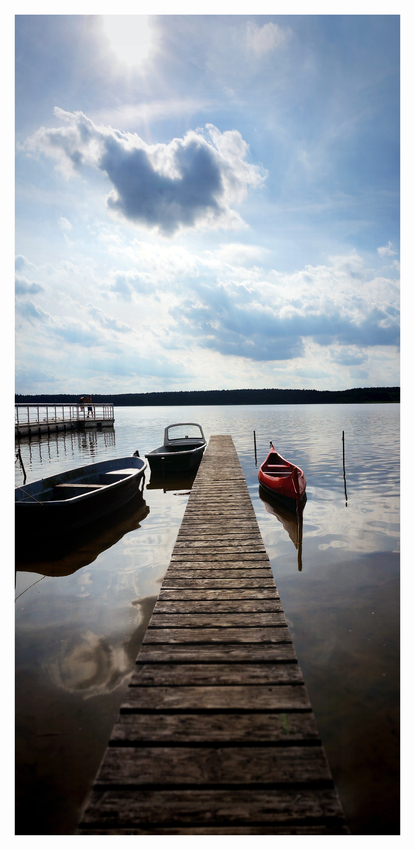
130,36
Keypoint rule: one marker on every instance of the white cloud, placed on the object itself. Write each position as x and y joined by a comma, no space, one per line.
264,39
23,286
65,225
387,250
108,322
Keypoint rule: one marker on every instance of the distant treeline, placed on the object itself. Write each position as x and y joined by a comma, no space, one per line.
366,395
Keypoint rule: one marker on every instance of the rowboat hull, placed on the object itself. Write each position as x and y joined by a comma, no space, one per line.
74,499
283,480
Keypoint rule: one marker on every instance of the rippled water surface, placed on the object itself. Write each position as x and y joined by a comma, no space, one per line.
81,614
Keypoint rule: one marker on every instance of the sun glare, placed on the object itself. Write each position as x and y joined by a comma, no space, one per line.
129,35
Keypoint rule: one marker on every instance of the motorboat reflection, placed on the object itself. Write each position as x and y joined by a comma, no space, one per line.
292,521
65,557
180,481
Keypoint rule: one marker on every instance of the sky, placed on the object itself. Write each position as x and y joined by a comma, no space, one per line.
206,202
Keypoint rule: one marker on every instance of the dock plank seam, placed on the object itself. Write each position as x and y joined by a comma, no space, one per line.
216,734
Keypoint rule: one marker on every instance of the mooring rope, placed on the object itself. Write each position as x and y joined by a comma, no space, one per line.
31,496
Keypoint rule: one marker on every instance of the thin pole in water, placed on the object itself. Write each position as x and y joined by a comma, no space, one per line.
344,470
299,512
19,457
255,448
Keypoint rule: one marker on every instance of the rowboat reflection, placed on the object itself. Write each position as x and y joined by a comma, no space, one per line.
291,520
67,556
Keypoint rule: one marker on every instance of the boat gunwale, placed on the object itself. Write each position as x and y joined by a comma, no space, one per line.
161,450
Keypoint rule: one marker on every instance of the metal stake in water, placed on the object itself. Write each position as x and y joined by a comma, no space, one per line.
344,470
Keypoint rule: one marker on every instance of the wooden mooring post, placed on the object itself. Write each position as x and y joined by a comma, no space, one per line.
216,734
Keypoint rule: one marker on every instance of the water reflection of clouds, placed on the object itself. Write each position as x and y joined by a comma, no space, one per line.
88,664
361,527
334,544
84,579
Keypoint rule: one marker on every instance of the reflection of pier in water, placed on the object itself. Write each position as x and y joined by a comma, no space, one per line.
37,449
86,546
292,521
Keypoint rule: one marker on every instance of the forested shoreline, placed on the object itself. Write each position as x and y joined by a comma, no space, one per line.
359,395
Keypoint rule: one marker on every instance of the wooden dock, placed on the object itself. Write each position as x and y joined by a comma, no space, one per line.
217,734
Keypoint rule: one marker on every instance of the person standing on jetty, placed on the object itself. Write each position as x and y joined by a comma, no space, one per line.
86,399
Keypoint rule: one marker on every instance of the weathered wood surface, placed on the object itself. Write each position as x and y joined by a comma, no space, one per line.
216,735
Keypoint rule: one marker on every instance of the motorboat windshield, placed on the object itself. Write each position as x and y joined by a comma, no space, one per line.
183,431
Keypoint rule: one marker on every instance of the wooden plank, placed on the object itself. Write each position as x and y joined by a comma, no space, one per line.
248,675
219,555
204,806
277,634
283,728
207,621
217,582
192,529
203,547
257,593
211,765
232,697
214,569
242,524
212,541
219,606
223,509
193,573
216,653
221,830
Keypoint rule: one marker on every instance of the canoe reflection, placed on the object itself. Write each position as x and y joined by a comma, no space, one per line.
63,558
173,481
292,522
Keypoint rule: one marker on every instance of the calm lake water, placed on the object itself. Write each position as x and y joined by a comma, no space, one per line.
81,615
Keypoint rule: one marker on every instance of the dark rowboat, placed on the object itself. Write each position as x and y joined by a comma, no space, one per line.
283,480
73,499
183,447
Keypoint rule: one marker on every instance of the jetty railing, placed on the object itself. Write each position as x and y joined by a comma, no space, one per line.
47,417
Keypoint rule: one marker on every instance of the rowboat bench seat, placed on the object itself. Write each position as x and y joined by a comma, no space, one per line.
83,486
120,472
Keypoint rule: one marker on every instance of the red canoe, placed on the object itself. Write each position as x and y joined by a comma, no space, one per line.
283,480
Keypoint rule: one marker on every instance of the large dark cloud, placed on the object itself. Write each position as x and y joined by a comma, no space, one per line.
186,183
148,197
